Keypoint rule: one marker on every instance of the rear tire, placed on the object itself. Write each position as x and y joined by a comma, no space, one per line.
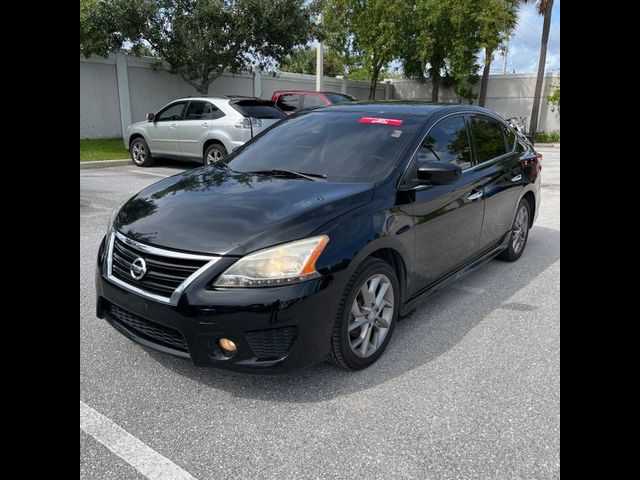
140,153
519,233
367,315
214,153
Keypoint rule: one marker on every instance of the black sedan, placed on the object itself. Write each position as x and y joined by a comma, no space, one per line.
317,235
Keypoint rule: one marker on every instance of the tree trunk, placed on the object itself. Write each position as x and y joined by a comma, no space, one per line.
374,82
434,75
535,111
485,77
435,86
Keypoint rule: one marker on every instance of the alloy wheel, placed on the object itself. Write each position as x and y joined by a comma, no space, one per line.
520,229
371,315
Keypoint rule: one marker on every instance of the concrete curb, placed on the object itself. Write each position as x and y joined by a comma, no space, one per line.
105,163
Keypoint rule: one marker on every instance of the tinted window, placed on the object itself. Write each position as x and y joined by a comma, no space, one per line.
195,111
289,103
312,101
447,141
211,112
511,138
346,146
490,138
258,109
172,112
337,98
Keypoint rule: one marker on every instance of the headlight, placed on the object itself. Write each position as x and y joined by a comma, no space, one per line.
284,264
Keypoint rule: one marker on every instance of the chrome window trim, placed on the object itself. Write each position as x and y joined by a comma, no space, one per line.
402,179
177,293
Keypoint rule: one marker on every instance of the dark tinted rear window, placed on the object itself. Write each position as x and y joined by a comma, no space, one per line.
258,109
337,98
490,138
345,146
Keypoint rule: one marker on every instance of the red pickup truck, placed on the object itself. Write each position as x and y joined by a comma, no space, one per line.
290,101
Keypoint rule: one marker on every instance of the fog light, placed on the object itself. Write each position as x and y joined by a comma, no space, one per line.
227,345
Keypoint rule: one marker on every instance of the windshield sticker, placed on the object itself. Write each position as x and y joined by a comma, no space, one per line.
396,133
381,121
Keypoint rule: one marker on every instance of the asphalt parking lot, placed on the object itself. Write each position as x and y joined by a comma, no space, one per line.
468,388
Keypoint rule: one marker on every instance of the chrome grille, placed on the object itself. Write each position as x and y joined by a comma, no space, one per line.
167,271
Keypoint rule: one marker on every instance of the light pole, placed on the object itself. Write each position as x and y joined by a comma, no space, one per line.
319,61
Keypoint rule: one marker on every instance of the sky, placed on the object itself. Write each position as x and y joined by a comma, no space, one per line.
524,45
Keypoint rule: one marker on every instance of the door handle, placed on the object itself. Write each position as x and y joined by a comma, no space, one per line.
475,196
517,178
173,125
205,124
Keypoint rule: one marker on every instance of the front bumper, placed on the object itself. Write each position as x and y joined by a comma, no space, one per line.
276,329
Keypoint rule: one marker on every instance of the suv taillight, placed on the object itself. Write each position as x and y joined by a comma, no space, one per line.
248,122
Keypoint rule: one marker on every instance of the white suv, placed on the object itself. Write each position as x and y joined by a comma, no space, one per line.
204,129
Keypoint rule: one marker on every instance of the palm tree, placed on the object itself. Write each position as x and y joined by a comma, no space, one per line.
544,7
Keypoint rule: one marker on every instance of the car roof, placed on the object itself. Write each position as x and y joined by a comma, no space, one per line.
309,92
405,107
216,97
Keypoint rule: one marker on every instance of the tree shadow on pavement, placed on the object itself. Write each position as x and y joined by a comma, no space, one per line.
433,329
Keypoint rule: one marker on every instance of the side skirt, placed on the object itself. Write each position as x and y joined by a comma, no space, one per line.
453,277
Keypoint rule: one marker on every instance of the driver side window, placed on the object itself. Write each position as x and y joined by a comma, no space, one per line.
447,141
171,113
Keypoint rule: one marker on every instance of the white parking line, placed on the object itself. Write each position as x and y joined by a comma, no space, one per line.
137,454
151,173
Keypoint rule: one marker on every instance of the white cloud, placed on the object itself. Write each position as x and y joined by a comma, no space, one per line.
524,45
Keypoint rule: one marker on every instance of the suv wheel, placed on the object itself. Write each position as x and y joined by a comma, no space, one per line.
366,316
140,153
214,153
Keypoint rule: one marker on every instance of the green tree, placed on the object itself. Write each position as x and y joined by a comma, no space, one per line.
303,60
199,39
445,40
367,34
496,20
544,8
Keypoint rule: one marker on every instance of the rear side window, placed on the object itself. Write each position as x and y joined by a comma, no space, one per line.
258,109
312,101
289,102
447,141
338,98
490,138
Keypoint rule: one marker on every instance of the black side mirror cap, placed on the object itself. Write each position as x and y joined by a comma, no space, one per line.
151,116
434,172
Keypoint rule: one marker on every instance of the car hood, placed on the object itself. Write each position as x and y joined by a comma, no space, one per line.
218,211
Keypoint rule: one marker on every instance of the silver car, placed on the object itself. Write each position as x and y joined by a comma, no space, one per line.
204,129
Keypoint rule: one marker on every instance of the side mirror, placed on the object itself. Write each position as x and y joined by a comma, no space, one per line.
151,116
434,172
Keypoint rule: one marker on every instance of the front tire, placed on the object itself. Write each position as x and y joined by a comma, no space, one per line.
366,316
214,153
140,153
519,233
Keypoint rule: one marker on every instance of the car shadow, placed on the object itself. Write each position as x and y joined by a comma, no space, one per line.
432,330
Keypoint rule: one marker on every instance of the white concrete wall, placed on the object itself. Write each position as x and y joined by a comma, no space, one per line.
106,105
147,90
508,95
99,107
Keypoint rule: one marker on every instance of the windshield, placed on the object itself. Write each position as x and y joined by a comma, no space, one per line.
344,146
